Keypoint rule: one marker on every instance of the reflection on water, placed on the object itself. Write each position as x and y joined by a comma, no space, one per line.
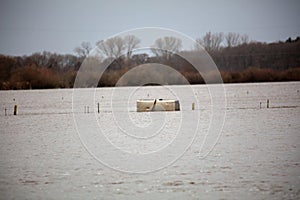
257,156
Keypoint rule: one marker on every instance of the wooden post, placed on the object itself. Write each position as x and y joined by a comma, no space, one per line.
88,109
98,107
15,109
193,106
268,103
5,111
259,104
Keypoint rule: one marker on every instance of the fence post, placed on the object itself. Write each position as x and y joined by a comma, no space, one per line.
15,110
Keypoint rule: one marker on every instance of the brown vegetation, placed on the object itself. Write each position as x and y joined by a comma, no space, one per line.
24,73
238,61
254,74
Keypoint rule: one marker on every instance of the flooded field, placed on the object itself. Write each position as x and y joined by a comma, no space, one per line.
44,152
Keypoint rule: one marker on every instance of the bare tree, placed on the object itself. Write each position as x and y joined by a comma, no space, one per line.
104,49
131,42
112,48
83,50
232,39
206,41
235,39
245,39
199,44
211,41
116,46
217,39
166,46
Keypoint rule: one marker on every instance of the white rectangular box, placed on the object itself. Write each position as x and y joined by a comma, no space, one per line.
147,105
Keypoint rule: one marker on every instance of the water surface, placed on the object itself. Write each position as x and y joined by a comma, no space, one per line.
256,157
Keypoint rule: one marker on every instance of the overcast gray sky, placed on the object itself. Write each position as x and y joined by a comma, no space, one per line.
28,26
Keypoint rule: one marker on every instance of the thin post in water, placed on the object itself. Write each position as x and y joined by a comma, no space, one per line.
268,103
15,110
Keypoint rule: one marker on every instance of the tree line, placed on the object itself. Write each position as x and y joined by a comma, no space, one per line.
238,59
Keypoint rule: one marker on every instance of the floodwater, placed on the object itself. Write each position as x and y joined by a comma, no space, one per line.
45,154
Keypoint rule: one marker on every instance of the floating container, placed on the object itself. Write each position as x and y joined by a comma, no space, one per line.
148,105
